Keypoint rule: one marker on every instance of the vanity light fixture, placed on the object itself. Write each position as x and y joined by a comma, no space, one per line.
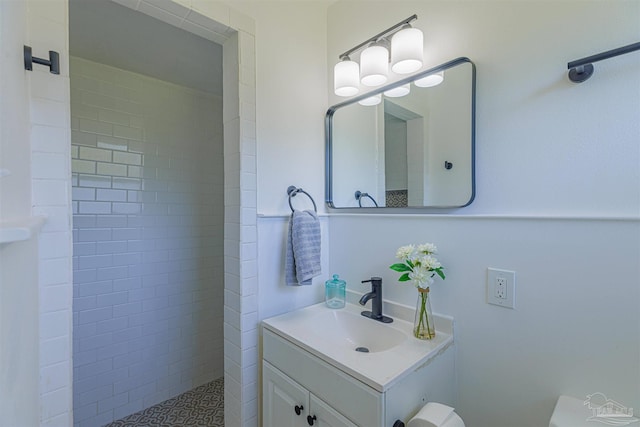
399,91
346,77
406,50
374,65
430,80
406,57
371,101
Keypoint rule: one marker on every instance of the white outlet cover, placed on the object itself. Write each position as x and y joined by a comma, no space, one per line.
492,278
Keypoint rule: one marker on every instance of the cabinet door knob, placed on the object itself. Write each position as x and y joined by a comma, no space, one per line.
298,409
311,419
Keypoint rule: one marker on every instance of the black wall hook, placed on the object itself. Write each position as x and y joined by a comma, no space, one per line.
53,63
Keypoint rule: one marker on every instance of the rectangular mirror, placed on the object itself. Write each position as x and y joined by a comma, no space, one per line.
411,151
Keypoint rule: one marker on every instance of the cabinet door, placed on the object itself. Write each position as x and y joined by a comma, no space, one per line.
282,399
325,416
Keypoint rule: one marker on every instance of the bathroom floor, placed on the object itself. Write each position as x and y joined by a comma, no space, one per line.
203,407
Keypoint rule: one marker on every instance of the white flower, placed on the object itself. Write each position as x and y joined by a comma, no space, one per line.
421,276
415,257
404,252
429,262
418,264
428,248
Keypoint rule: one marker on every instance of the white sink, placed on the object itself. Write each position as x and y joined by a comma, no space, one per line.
343,328
334,336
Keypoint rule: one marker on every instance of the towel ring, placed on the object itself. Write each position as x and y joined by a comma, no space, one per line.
292,191
360,195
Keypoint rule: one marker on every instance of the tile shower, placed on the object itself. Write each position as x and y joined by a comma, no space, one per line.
147,163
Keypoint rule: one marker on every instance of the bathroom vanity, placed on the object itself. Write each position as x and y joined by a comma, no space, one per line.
336,368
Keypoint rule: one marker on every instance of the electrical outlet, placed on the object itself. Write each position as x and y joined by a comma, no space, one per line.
501,285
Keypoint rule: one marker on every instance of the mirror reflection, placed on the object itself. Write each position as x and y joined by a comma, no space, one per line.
394,149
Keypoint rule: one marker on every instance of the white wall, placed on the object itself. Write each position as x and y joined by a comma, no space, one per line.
18,260
290,98
51,196
575,327
546,147
290,107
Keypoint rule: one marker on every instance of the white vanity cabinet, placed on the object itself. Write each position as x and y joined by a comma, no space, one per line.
313,364
291,376
294,377
288,404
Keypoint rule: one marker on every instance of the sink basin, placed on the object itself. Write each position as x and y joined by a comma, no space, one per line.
351,330
378,354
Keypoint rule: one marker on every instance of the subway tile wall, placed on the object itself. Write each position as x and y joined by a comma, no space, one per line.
241,380
148,224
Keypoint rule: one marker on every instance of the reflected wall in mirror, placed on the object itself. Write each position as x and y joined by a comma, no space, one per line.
413,151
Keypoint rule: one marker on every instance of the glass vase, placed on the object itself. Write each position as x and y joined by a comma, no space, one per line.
423,326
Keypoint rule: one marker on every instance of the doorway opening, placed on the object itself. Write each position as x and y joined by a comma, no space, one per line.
148,204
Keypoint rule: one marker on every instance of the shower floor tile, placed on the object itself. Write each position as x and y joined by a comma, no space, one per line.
202,407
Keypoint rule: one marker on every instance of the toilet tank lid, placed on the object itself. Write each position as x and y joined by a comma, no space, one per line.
570,412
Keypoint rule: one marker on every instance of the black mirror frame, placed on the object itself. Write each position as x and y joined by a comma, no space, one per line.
328,129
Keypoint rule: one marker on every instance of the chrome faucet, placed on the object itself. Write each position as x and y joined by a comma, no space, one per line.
376,304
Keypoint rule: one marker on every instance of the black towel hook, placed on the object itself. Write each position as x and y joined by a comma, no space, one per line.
53,63
292,191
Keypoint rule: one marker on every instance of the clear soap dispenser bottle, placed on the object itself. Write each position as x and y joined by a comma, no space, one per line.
335,292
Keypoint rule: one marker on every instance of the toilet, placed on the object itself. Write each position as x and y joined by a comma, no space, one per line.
570,412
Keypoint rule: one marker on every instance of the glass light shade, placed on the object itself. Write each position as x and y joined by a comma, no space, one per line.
372,100
374,65
407,51
430,80
346,78
399,91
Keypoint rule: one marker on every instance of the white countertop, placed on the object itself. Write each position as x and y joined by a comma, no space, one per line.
380,370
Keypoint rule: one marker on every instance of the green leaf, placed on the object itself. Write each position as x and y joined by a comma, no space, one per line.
440,272
400,267
404,278
410,264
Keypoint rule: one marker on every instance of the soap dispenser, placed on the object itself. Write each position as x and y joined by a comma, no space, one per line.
335,292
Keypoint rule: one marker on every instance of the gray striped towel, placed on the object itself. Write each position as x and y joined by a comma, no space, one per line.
302,261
